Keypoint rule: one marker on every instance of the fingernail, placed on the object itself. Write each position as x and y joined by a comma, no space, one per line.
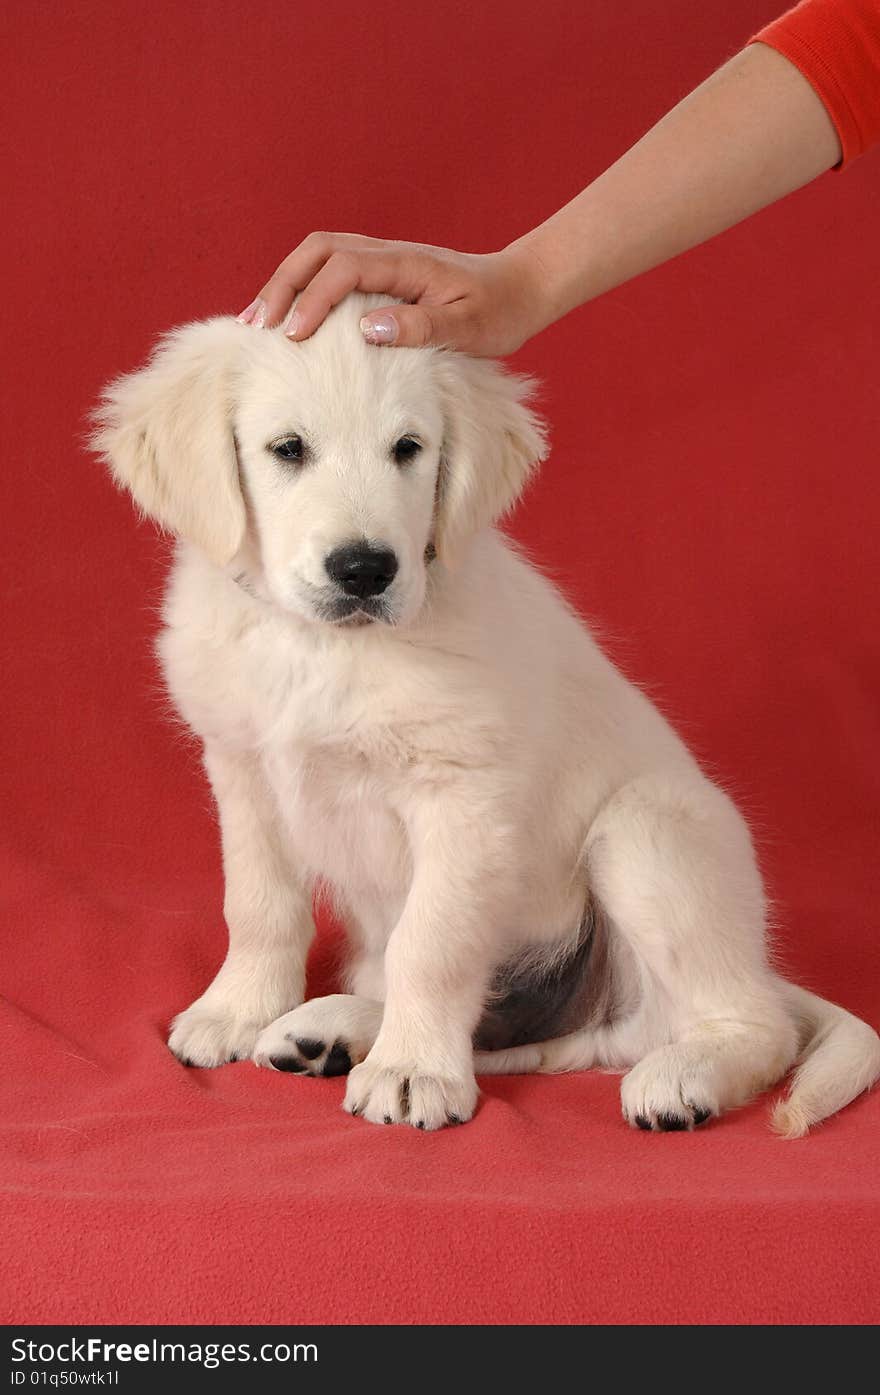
291,324
261,314
246,316
379,329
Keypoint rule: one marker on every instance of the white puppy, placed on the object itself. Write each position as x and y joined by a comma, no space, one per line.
395,707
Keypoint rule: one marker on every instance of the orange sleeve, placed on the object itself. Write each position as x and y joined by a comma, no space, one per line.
836,45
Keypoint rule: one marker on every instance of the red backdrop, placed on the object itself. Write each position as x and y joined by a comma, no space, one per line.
712,500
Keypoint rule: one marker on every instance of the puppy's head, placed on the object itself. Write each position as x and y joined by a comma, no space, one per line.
325,475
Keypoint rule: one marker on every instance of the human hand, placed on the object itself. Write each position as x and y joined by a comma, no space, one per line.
484,304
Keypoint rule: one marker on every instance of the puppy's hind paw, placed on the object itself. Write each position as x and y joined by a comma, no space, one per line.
667,1092
326,1036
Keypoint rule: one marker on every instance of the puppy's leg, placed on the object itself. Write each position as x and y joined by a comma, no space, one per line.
672,863
269,915
365,975
325,1036
437,964
584,1050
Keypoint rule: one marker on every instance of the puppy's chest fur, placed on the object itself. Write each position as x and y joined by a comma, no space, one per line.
333,799
344,727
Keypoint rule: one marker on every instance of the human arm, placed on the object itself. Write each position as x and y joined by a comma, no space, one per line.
753,132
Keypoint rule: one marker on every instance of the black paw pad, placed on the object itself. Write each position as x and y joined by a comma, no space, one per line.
420,1124
338,1061
700,1116
671,1123
388,1119
289,1063
642,1122
308,1047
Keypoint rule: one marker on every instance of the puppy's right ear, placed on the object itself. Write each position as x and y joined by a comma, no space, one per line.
165,432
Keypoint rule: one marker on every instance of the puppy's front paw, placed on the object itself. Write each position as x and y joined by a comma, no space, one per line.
211,1035
390,1094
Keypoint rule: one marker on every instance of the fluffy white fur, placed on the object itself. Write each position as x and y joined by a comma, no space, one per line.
458,770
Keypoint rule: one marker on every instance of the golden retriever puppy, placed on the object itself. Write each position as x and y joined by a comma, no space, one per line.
534,872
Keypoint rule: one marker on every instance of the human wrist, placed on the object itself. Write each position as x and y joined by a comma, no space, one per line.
556,274
528,270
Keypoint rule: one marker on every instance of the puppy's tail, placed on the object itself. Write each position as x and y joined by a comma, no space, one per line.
839,1057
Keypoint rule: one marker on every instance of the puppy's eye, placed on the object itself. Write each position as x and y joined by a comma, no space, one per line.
289,448
406,449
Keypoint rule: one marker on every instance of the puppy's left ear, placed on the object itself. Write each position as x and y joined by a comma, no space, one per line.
166,434
492,444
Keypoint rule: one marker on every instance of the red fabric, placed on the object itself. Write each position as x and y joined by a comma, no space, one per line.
713,499
836,45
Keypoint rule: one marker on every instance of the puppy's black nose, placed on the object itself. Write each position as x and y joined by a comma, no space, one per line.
362,570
